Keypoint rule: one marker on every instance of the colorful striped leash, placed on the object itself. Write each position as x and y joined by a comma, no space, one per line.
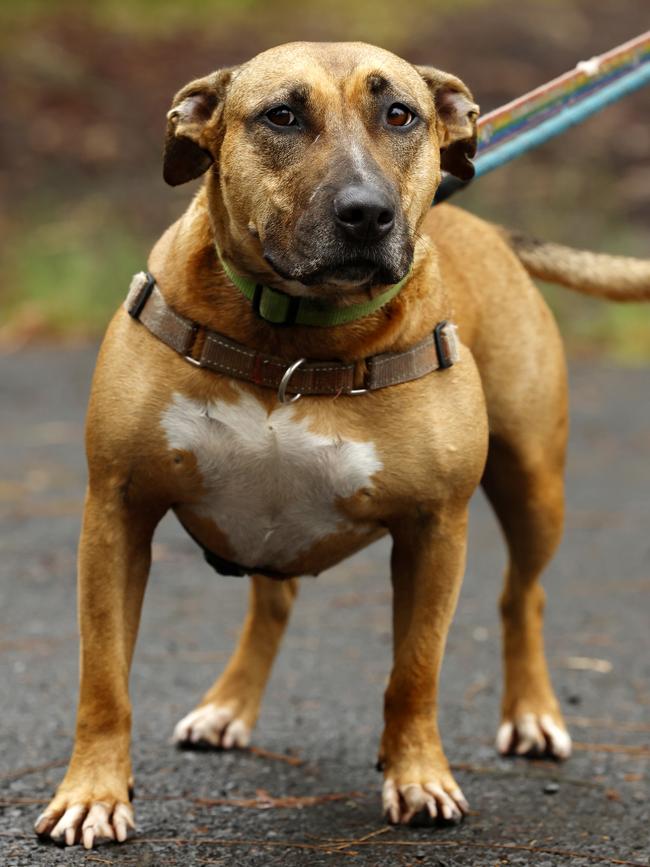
549,110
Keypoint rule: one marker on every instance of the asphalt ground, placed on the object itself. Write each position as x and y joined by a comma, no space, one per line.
314,798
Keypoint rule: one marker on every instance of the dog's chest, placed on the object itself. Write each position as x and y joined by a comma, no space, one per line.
270,483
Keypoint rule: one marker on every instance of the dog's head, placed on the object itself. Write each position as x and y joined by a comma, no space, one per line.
322,159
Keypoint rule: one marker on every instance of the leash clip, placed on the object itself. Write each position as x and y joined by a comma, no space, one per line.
284,382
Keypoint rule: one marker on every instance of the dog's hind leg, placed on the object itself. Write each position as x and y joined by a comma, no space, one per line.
228,711
525,486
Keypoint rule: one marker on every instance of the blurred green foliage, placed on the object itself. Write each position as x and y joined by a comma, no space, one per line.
69,277
86,87
281,20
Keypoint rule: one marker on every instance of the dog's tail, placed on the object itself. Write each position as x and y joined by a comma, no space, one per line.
619,278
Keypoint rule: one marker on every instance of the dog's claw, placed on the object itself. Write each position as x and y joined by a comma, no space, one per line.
214,726
44,824
403,803
123,826
533,735
89,825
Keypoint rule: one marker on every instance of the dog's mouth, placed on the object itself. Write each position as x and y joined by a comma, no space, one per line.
358,273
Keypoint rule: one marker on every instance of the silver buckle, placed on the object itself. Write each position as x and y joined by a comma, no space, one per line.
284,382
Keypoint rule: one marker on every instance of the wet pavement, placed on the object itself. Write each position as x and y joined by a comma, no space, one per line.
310,794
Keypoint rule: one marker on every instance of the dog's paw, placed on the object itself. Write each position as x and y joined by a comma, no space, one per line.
534,735
212,725
423,802
69,821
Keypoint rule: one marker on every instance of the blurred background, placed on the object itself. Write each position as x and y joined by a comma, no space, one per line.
85,88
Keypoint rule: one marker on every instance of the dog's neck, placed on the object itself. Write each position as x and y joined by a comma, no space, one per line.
186,266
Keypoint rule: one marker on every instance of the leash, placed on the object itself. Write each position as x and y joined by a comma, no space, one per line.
549,110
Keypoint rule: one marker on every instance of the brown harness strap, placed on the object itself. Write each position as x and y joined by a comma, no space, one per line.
146,303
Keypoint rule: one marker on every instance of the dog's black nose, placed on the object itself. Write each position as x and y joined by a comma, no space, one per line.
364,213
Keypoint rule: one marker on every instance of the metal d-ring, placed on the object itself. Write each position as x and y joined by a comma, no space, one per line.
284,382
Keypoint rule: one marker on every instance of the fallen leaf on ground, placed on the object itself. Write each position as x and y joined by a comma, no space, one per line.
586,663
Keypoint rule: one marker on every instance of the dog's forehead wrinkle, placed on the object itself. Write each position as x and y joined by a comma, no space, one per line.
327,63
299,94
295,93
377,83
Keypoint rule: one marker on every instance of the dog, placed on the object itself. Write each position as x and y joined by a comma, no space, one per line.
310,265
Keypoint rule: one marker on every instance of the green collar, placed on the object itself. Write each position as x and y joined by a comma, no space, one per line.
280,309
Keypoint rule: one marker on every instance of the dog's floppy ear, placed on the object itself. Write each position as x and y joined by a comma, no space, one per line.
194,112
457,113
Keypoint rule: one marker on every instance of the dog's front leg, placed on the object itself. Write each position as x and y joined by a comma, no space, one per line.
427,567
229,709
92,802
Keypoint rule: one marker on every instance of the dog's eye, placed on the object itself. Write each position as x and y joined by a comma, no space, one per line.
399,115
281,116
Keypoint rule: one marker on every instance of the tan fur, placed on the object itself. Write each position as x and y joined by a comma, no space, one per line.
431,435
620,278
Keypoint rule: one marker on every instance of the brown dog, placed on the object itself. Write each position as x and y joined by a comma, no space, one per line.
321,162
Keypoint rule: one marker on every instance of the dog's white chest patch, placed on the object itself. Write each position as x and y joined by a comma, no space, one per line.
271,484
